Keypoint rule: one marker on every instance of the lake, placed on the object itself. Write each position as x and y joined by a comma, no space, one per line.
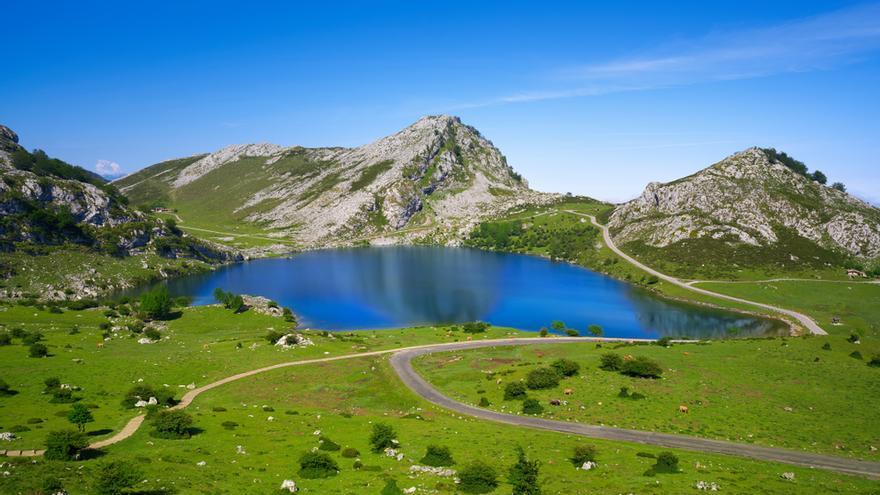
361,288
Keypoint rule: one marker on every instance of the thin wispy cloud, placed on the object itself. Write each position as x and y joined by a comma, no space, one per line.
107,168
821,42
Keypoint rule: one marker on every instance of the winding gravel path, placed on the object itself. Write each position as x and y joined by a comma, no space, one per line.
401,362
804,320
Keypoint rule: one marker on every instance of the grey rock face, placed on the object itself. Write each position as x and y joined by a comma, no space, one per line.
742,199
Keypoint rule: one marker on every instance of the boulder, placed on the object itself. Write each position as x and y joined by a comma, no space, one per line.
289,485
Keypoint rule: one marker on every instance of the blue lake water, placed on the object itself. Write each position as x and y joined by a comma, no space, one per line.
347,289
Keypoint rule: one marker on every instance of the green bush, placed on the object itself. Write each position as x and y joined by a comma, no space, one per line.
38,351
317,465
874,362
156,304
144,392
582,454
382,437
477,477
17,332
475,327
172,424
32,338
827,346
4,388
115,477
566,367
523,476
542,378
664,341
856,355
328,445
273,336
65,445
391,488
515,391
667,462
152,334
229,425
437,456
610,362
484,402
62,396
5,338
853,338
642,367
543,332
51,383
532,406
350,452
571,332
595,330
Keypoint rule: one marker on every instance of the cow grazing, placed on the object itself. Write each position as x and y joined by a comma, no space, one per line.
100,345
555,402
683,409
568,391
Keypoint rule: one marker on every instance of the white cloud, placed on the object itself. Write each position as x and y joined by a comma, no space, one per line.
821,42
107,167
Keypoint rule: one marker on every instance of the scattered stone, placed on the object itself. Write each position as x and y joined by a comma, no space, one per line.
436,471
289,485
588,465
144,403
787,409
144,340
788,476
201,463
7,436
707,486
411,489
191,386
293,340
240,450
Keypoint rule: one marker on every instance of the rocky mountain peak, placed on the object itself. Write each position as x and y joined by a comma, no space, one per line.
7,134
8,142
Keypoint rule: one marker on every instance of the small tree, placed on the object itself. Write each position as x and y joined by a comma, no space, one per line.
532,406
566,367
582,454
4,388
839,186
475,327
38,350
172,424
382,437
80,415
477,477
65,445
642,367
541,378
543,332
515,391
610,362
317,465
51,383
819,177
664,341
329,445
156,304
667,462
5,338
437,456
595,330
116,476
523,476
557,325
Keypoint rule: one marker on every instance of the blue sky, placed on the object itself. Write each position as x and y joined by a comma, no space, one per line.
595,100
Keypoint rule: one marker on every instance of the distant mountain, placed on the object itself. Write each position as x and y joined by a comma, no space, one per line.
756,208
434,179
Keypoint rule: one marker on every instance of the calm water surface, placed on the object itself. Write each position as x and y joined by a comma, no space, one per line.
348,289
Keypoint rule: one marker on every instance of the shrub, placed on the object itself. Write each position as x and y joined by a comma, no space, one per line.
51,383
328,445
571,332
532,406
541,378
610,362
566,367
523,476
856,355
229,425
317,465
515,391
437,456
115,477
642,367
5,338
152,334
65,445
156,304
218,409
273,336
4,388
80,415
475,327
582,454
874,362
32,338
477,477
62,396
38,351
350,452
557,325
382,437
853,338
391,488
543,332
827,346
73,330
664,341
595,330
144,392
484,402
172,424
667,462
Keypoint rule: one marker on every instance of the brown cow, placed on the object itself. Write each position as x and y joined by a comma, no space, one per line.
683,409
568,391
100,345
628,357
470,338
555,402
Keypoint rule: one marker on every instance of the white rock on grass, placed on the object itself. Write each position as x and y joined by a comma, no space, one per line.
588,466
289,485
437,471
293,340
7,436
707,486
789,476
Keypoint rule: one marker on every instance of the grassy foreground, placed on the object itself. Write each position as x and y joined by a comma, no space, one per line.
788,393
252,453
